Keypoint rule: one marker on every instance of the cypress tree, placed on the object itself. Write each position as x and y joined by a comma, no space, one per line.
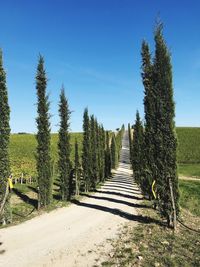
86,152
107,157
5,215
64,149
94,152
77,170
130,141
166,143
114,155
97,130
43,138
150,113
102,153
138,151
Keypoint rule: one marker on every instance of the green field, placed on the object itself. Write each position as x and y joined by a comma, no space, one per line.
188,144
189,170
23,151
190,196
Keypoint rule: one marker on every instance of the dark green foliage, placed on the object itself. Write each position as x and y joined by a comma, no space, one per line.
64,163
102,153
114,154
43,138
119,137
130,136
107,157
137,155
150,113
165,142
86,153
94,152
5,216
77,169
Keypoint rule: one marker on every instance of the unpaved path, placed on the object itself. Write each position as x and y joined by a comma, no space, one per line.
76,235
188,178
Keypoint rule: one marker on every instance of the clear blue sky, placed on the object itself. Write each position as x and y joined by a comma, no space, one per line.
93,48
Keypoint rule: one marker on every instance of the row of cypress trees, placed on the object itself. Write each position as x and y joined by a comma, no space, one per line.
153,146
99,155
100,151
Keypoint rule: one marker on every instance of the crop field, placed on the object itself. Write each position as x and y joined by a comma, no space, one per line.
190,196
188,144
23,151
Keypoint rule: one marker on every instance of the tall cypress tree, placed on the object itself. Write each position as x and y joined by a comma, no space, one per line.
166,143
97,130
138,151
43,138
107,156
102,153
64,149
130,142
114,155
94,151
150,113
5,215
86,153
77,170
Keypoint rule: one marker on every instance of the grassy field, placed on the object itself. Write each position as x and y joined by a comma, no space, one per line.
189,170
188,144
188,151
23,149
190,196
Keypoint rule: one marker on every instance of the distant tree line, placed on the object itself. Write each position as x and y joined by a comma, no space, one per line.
153,145
100,152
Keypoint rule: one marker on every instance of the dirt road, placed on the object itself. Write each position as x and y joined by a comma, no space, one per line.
76,235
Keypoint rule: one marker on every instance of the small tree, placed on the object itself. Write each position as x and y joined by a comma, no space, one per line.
64,149
43,138
5,210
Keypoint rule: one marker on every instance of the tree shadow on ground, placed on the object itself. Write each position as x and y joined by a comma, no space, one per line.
121,188
126,215
134,205
2,251
32,188
26,198
119,194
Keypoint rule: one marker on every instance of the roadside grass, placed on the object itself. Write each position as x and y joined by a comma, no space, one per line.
150,245
190,196
189,170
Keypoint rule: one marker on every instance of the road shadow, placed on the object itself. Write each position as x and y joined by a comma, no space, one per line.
2,251
122,188
120,213
134,205
119,194
26,198
32,188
